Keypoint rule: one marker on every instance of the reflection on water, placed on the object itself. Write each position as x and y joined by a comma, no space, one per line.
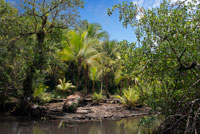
137,126
11,125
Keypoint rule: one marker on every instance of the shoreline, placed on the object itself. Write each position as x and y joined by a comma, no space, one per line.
93,112
87,111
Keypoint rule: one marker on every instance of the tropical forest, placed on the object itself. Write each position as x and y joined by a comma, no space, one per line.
62,74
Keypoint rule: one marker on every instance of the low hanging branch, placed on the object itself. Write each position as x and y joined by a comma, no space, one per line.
189,67
182,66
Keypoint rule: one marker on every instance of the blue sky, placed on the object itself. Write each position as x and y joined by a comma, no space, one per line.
95,11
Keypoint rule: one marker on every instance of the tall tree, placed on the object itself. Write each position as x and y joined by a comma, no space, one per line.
109,63
82,50
29,35
45,16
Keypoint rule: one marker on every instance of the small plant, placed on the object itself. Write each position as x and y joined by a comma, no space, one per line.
129,97
40,92
97,97
65,86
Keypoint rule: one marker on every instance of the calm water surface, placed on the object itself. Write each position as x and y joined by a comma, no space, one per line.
12,125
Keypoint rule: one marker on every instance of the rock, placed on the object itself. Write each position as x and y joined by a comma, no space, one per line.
71,103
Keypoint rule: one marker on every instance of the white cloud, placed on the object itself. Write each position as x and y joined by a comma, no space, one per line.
138,2
156,4
186,1
139,15
174,1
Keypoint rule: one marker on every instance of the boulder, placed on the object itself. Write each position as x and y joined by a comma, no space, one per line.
72,102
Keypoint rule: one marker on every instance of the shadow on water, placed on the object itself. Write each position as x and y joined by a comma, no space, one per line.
12,125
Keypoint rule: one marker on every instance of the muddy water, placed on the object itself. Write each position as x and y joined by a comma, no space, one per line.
12,125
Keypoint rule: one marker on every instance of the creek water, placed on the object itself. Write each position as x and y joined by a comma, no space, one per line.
13,125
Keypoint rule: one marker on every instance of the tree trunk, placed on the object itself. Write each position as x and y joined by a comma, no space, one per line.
79,71
102,82
40,61
27,85
27,97
93,86
37,64
77,82
106,90
86,78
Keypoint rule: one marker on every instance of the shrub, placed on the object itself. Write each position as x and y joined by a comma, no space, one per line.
97,97
129,97
41,94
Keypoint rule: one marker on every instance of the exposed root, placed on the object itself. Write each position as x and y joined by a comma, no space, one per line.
185,121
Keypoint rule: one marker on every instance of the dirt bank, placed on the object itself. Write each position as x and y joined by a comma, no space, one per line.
87,111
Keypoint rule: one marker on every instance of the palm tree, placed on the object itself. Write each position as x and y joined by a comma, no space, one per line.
95,74
80,48
109,62
94,30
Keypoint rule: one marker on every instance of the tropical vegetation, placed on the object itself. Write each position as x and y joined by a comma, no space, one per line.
47,52
167,60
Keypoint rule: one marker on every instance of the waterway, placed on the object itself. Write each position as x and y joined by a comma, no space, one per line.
133,125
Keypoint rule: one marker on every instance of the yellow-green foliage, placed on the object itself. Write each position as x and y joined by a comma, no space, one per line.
65,86
41,93
97,97
129,97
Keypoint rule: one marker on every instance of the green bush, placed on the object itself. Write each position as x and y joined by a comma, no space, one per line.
97,97
129,97
41,93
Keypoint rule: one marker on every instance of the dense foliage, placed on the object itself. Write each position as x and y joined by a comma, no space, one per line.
43,45
47,52
168,59
30,41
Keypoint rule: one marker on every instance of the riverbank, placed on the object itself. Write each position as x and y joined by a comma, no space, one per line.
86,111
89,111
